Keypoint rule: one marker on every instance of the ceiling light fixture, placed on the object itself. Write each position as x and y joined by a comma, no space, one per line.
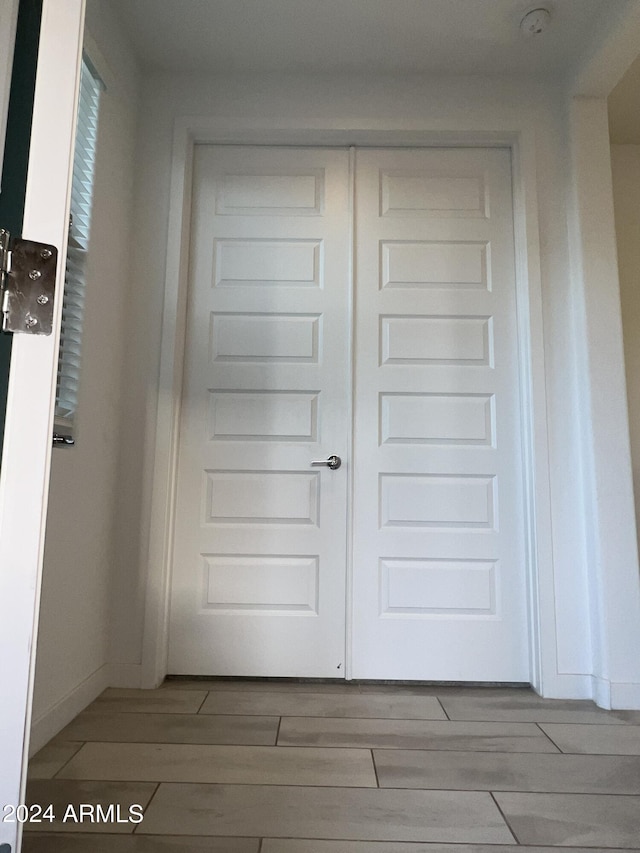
535,22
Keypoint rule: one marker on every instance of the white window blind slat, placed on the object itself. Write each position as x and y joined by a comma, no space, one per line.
68,381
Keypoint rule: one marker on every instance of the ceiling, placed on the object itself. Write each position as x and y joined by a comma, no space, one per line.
361,36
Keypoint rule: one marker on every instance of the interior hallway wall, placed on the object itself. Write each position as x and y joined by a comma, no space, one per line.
625,162
75,615
390,103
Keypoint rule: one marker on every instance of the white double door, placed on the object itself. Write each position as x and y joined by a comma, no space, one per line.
358,304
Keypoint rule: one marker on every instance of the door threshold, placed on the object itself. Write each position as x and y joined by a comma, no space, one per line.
176,679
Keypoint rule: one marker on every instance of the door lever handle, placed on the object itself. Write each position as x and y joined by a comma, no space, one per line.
63,440
333,462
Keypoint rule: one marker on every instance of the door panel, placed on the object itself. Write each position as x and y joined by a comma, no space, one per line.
259,580
439,591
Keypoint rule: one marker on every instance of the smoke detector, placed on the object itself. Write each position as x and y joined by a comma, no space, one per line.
535,22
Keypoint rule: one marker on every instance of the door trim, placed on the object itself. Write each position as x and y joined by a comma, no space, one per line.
188,132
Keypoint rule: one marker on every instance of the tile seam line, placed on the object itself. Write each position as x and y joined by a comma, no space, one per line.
291,785
504,818
367,840
529,723
623,724
90,711
92,835
144,811
444,710
375,768
201,705
355,749
427,749
355,691
269,746
325,717
560,750
490,791
342,787
212,743
611,722
537,721
61,768
468,750
568,755
453,844
174,713
359,747
498,845
565,794
605,721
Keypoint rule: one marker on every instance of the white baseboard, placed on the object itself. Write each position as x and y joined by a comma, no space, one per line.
601,692
568,686
48,725
606,694
625,697
616,695
124,675
53,720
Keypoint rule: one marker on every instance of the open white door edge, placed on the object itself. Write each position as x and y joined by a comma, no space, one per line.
26,459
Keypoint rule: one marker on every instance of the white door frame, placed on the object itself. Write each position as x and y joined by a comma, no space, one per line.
26,459
537,501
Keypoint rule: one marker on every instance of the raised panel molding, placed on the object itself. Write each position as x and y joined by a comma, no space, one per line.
432,587
263,416
463,419
271,195
430,264
261,582
262,497
267,263
425,194
434,339
441,501
264,337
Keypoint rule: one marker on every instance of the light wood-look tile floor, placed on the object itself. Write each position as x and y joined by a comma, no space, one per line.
280,767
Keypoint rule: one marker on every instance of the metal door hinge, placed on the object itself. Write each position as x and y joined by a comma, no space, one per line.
27,284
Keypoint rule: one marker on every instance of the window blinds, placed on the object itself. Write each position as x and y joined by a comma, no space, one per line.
79,229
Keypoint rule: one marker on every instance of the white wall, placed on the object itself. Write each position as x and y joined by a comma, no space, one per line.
625,161
608,505
410,104
80,553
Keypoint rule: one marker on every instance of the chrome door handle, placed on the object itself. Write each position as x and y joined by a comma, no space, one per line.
63,440
332,462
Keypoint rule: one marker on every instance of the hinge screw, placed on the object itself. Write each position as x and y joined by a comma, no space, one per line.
34,275
30,322
45,254
42,299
